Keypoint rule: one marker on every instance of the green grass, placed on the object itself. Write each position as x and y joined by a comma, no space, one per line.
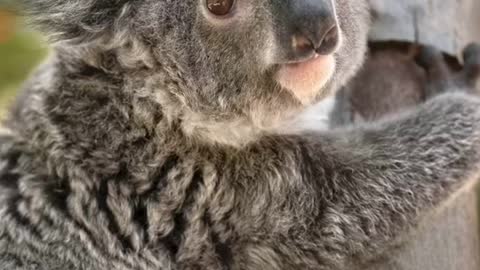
18,57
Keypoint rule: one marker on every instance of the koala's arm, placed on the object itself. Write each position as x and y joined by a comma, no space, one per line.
353,193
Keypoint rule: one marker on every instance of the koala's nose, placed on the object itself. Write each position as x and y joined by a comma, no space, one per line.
316,27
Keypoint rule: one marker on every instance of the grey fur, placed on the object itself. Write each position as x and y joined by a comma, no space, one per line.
147,141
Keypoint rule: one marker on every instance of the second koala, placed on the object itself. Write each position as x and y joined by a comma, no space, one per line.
399,76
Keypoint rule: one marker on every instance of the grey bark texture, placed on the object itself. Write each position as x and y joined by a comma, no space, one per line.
447,24
450,239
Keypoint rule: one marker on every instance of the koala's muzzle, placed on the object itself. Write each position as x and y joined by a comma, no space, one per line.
309,27
307,35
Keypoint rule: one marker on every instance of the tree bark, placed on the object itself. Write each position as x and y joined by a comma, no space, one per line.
447,24
449,240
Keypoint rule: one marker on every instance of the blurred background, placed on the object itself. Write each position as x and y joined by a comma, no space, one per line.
20,51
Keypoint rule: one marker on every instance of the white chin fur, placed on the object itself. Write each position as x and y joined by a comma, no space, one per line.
314,118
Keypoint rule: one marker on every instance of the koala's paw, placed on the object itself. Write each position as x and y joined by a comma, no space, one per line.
432,60
442,79
471,69
439,76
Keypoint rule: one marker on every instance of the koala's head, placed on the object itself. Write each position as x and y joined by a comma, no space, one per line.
223,59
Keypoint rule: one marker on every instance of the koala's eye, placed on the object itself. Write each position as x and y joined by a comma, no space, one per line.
220,7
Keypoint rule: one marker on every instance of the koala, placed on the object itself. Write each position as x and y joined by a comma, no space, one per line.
398,76
158,135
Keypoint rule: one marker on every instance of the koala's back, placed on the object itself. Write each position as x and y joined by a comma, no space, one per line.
45,226
79,207
52,220
22,231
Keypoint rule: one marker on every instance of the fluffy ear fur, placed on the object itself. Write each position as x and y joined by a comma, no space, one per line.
79,21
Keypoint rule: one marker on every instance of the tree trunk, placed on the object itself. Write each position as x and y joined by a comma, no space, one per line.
450,239
446,24
447,241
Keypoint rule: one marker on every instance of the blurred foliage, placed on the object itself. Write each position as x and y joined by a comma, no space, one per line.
20,51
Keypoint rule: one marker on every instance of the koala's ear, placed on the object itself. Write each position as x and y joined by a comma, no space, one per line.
78,21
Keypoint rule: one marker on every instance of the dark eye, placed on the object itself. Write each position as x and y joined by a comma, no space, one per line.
220,7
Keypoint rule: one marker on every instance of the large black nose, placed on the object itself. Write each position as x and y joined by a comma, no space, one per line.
315,26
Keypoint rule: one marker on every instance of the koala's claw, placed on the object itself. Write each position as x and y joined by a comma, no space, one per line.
432,60
442,79
428,55
471,57
439,76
